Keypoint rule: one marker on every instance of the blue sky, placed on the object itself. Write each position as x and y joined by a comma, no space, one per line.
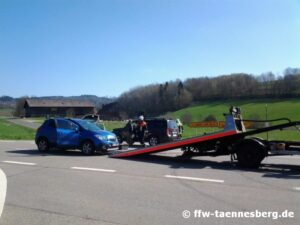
105,47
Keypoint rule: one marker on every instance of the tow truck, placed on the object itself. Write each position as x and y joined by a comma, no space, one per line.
235,141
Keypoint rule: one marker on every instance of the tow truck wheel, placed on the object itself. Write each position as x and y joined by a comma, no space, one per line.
250,153
87,148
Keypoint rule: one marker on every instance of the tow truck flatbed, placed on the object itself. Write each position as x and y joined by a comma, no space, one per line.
234,140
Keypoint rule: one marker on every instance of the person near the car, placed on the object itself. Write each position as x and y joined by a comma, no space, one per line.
180,126
131,128
141,129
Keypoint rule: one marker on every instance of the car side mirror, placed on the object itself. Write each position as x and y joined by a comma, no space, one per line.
76,129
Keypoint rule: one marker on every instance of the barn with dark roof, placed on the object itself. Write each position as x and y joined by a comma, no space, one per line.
57,108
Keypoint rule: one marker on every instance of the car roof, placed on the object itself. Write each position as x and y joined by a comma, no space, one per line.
61,118
76,120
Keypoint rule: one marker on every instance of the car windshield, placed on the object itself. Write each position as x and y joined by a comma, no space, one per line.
87,125
172,124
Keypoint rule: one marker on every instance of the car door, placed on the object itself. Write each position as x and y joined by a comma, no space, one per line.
51,132
68,134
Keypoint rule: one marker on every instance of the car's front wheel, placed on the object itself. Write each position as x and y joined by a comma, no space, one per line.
153,141
87,148
43,144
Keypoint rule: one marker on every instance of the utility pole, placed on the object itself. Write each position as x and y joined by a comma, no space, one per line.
266,107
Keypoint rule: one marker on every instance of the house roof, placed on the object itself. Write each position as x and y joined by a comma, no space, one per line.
57,103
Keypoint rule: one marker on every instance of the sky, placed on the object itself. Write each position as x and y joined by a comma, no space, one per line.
106,47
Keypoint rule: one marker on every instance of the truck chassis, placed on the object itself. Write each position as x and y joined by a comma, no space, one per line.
234,140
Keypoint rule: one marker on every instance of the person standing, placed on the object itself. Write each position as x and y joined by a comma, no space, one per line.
141,129
180,127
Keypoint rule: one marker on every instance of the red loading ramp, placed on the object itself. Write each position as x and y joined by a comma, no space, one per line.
174,145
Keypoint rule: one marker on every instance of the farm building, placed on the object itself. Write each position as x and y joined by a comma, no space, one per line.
57,108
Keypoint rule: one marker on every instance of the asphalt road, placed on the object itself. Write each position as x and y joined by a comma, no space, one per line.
68,188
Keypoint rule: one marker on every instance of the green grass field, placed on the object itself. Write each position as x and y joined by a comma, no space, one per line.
6,111
110,125
10,131
276,109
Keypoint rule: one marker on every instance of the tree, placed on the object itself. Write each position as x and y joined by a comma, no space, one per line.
19,110
210,117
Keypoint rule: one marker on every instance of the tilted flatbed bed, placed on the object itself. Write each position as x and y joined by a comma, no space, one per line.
234,140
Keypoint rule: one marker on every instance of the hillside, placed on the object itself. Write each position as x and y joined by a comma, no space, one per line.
8,103
276,109
254,109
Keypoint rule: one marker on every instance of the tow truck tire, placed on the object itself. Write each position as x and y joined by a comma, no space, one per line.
250,153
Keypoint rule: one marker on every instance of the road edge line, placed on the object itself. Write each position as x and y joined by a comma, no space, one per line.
3,189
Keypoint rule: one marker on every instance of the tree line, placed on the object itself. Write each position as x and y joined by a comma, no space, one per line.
157,99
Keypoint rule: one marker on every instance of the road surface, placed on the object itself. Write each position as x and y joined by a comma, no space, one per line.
68,188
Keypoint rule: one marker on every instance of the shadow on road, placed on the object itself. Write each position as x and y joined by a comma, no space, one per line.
52,152
283,171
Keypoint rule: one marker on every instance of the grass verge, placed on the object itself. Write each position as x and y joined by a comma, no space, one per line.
10,131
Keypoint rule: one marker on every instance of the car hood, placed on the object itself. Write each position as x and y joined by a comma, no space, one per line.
102,133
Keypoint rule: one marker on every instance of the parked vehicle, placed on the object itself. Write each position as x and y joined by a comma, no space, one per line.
91,117
249,151
94,118
158,131
74,134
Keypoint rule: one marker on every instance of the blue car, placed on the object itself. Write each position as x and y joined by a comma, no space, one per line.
74,134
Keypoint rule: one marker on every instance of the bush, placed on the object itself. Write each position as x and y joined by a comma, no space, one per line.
19,110
210,117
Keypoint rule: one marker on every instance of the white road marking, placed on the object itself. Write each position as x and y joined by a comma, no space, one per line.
20,163
288,157
194,179
93,169
297,188
3,187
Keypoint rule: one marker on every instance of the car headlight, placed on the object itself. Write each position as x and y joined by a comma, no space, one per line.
110,137
102,138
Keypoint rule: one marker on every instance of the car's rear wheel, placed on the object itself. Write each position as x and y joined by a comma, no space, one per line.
130,141
153,141
120,139
87,148
43,145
